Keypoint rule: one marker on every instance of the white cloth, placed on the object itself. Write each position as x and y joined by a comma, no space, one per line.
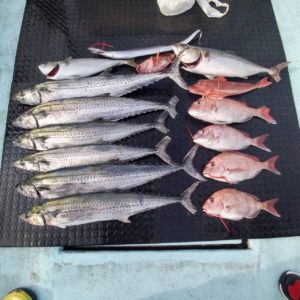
177,7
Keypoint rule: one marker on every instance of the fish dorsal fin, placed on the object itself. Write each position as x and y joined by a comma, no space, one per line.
125,219
68,60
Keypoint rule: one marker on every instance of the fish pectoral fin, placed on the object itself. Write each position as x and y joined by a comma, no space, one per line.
234,170
125,219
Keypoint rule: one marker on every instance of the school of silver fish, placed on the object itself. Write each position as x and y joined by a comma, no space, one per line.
76,118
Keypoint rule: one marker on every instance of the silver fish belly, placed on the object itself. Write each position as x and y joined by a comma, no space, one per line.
50,160
83,209
80,110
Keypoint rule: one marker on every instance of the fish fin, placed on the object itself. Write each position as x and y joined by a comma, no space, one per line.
172,106
263,83
161,150
275,71
68,60
174,72
131,62
254,215
160,122
221,79
269,206
270,165
210,77
264,113
259,142
188,164
235,170
125,219
186,195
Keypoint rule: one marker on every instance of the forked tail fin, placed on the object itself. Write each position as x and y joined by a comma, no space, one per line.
275,71
172,106
188,166
160,122
259,142
269,206
161,150
263,83
270,165
264,113
186,198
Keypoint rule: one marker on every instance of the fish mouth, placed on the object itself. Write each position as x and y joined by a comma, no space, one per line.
207,174
28,96
53,72
28,190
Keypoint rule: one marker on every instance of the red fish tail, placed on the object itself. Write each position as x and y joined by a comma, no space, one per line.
259,142
264,113
263,83
270,165
269,206
275,71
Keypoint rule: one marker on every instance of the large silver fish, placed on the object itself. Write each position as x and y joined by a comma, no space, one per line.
50,160
113,85
84,134
79,67
213,63
132,53
83,209
81,110
100,178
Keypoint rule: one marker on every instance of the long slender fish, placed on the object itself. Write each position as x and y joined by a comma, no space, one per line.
79,67
215,63
132,53
90,208
50,160
101,178
81,110
84,134
113,85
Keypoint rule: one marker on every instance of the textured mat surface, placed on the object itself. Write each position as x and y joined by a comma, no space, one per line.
53,30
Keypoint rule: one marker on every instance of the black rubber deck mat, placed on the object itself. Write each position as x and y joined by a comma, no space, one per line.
54,30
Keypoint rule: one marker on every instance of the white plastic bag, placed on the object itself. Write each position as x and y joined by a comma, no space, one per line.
212,12
174,7
177,7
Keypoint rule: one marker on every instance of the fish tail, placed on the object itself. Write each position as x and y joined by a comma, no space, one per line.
131,62
161,150
172,106
275,71
186,195
160,122
174,72
259,142
263,83
269,206
264,113
187,164
270,165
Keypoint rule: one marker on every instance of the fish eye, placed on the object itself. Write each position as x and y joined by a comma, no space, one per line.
198,102
211,200
212,163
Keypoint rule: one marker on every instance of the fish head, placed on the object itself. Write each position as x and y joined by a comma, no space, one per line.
204,136
27,189
197,108
213,206
26,121
214,169
24,141
28,96
33,218
191,55
27,164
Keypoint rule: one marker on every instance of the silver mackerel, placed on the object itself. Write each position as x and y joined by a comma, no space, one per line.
83,209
